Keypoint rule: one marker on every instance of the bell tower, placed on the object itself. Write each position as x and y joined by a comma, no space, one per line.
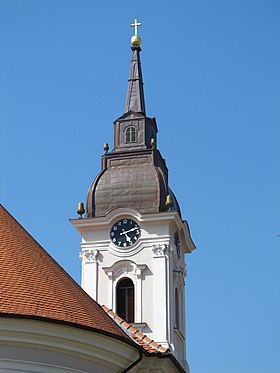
133,236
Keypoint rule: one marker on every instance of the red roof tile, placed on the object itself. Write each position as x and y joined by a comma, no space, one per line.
32,284
147,344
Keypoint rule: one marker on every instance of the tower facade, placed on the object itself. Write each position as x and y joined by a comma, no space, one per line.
133,235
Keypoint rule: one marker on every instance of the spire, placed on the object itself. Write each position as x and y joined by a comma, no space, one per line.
135,92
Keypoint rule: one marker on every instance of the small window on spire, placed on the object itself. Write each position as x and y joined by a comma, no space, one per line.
130,134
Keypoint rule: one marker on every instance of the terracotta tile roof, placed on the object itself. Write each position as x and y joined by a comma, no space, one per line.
147,344
32,284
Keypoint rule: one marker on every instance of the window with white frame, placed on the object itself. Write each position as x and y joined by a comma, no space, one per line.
130,134
119,289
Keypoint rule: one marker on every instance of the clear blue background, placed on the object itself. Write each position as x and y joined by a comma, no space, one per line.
211,72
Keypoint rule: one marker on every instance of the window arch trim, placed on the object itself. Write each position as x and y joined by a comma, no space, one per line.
129,269
130,134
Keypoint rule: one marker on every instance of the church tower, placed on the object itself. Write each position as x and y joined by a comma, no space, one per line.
133,235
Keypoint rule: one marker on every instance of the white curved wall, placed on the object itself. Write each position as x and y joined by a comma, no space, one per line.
36,346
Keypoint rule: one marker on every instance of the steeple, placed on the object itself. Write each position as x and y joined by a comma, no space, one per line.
135,92
134,174
133,235
134,130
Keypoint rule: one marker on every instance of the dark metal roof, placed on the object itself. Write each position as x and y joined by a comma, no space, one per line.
137,180
134,174
135,92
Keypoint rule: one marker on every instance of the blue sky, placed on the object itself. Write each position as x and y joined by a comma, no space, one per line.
211,73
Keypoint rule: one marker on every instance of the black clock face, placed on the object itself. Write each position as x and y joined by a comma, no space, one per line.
125,233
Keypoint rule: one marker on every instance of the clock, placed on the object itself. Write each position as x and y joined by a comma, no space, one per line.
125,233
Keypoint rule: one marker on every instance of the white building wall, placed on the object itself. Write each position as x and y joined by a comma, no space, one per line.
36,346
152,264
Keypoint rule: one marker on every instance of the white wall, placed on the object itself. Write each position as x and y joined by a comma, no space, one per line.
36,346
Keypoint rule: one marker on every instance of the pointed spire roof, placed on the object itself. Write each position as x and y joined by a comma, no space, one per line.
135,93
33,285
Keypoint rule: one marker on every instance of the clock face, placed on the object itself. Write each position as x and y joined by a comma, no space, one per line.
125,233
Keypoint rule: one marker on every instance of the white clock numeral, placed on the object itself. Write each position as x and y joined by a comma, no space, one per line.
124,244
112,234
124,221
135,238
114,240
119,223
119,243
115,228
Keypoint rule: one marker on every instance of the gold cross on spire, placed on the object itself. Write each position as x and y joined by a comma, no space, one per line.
135,24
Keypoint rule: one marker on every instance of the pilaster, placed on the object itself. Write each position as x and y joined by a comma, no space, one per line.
160,293
90,272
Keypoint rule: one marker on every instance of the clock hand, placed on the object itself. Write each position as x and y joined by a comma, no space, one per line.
130,230
127,238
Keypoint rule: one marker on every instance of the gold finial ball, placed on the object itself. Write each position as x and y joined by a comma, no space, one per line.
135,40
169,201
106,147
80,209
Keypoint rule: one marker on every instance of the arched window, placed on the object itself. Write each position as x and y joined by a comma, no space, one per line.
125,299
130,134
177,310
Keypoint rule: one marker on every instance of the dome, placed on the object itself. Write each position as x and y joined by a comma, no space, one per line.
132,183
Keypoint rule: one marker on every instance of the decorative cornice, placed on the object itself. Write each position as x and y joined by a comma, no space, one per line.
124,267
160,250
104,221
89,256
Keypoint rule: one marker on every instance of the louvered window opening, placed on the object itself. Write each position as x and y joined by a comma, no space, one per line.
177,310
130,134
125,300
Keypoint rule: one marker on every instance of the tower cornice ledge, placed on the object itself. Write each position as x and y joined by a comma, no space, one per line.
172,217
121,212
